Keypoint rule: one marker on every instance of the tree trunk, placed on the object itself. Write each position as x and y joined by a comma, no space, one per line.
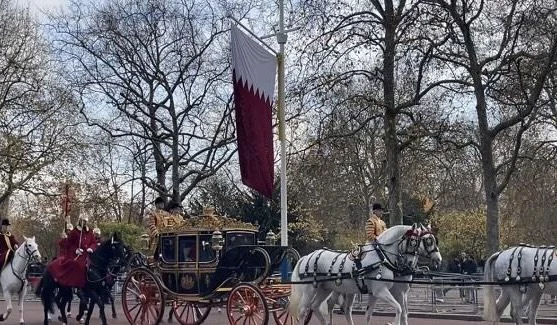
5,206
488,165
390,119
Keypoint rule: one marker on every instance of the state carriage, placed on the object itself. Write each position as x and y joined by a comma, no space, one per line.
205,262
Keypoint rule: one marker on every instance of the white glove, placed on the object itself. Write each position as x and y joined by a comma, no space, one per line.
89,250
79,251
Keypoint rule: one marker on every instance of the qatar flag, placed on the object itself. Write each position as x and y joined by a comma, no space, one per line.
253,73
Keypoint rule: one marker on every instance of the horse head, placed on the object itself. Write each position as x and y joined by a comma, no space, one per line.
428,245
29,249
109,252
407,243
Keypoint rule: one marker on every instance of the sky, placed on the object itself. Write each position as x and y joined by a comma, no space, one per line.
40,5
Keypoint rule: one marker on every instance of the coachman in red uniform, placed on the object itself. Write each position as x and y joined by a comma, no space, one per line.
69,270
8,244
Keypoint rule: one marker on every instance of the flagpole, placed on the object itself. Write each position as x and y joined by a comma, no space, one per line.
281,39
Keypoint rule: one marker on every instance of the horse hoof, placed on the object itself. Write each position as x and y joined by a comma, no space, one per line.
69,315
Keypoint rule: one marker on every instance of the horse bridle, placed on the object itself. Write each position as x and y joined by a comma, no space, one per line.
109,268
411,240
28,258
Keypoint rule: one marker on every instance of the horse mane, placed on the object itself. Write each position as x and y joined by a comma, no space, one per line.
104,253
393,233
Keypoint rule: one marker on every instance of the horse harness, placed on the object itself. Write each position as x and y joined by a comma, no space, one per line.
540,273
358,273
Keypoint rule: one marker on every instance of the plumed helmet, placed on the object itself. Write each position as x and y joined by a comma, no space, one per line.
69,226
84,218
97,231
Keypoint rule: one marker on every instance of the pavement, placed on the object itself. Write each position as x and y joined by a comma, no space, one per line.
33,316
423,309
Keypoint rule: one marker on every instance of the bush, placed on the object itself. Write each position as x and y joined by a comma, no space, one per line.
131,233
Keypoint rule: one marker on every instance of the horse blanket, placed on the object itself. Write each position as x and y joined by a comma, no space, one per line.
69,269
69,272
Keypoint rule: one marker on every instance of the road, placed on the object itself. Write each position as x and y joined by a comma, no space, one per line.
33,316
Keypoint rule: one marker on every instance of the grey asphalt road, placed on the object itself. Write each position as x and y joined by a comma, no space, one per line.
33,316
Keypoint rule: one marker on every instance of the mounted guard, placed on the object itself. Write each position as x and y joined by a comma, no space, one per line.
69,269
8,244
97,234
63,242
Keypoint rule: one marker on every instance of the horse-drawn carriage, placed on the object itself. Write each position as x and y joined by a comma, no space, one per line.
209,261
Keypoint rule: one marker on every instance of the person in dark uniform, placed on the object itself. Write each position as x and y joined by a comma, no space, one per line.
8,244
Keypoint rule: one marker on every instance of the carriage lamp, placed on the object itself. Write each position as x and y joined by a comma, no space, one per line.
270,238
217,241
145,241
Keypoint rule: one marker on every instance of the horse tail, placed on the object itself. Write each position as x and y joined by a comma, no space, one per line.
45,290
296,293
39,288
490,313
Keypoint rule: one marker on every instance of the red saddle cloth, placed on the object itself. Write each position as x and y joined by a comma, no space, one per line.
68,272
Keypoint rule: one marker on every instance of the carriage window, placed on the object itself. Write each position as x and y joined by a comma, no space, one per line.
238,239
168,249
206,252
186,249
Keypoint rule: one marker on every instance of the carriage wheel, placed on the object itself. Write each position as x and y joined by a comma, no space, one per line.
188,313
142,298
283,317
246,305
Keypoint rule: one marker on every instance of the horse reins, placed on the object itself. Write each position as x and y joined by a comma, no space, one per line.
28,261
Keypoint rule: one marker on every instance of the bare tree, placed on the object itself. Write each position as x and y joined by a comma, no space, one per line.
377,47
501,54
158,71
35,124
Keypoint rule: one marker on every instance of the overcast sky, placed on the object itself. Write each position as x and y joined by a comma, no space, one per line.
41,5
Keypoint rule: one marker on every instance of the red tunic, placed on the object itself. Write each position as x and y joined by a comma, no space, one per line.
87,241
63,247
7,248
69,270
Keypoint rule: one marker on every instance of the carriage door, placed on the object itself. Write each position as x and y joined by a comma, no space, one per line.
188,273
207,258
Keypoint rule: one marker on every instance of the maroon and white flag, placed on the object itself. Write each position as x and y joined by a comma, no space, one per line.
253,73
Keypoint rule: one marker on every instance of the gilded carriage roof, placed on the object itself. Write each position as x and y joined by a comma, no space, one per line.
209,220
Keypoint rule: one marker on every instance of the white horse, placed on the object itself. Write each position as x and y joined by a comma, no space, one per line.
525,273
394,250
13,278
427,248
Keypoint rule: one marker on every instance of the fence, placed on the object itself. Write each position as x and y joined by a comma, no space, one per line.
466,299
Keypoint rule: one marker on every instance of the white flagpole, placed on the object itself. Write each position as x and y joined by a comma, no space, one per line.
281,39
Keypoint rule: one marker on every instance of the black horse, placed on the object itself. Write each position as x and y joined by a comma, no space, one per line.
98,272
119,266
